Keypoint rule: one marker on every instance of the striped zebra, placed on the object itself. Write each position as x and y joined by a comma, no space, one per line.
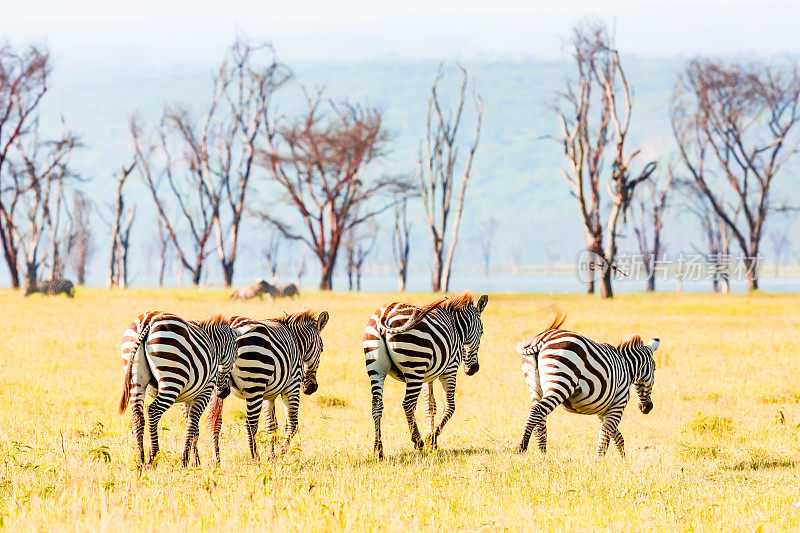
275,357
283,290
259,288
416,345
182,361
587,377
53,287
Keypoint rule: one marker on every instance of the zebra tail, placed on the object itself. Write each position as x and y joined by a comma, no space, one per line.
126,381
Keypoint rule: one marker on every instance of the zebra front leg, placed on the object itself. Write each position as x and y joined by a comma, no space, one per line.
196,409
537,422
430,410
409,405
251,422
164,399
291,403
272,426
608,429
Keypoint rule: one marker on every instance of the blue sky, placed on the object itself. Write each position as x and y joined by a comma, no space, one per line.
169,31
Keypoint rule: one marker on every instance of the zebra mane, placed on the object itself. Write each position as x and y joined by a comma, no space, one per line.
634,341
305,314
212,321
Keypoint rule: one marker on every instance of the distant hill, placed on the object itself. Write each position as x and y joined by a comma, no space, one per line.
516,178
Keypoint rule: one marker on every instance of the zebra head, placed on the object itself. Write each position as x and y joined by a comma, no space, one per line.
646,376
223,341
307,330
469,322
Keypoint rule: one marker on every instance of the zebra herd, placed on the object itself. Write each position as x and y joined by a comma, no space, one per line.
197,362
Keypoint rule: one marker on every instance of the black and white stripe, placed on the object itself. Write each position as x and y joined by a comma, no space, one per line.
283,290
586,377
417,345
53,287
277,357
182,361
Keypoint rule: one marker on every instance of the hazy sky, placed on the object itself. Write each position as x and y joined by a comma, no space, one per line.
167,31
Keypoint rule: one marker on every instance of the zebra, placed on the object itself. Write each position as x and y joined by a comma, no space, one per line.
416,345
587,377
284,290
259,288
183,361
52,287
275,357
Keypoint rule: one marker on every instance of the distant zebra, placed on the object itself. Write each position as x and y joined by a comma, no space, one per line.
416,345
53,287
587,377
277,357
247,292
182,361
284,290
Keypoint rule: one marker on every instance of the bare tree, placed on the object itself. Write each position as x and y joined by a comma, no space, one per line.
780,241
401,239
272,252
357,247
184,199
485,238
79,237
120,232
438,172
647,219
595,115
320,162
163,251
733,124
23,83
716,234
38,172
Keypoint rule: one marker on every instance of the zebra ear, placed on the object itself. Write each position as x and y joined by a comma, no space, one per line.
482,301
322,319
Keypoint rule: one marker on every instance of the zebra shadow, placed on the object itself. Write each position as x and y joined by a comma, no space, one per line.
438,456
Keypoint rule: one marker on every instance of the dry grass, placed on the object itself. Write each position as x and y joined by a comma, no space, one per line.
720,450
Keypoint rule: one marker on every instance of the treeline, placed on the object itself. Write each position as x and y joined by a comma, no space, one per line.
209,172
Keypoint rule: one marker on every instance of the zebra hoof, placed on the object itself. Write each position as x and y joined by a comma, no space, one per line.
430,441
419,444
521,448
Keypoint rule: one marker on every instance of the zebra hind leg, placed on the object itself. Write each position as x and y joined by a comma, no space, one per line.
196,409
251,422
164,399
409,406
536,423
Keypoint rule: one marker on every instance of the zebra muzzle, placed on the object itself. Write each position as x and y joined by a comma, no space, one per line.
646,407
470,370
310,388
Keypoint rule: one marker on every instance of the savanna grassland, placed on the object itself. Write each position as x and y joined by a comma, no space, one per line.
720,450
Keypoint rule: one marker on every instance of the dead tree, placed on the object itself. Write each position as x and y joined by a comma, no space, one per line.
438,169
185,201
163,249
23,84
79,247
716,235
734,125
595,116
647,219
401,241
485,238
272,253
320,162
38,172
357,248
120,232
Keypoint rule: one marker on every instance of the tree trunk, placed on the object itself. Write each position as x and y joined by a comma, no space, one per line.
30,272
590,287
11,261
651,280
227,273
326,281
197,275
438,265
401,281
605,286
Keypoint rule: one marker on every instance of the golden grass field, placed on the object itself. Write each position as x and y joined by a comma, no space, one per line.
720,451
